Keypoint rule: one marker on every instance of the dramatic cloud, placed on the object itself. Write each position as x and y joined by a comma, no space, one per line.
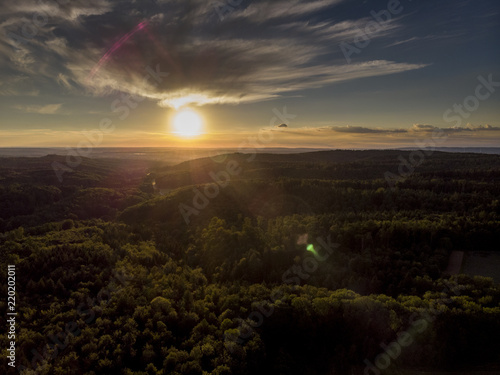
101,46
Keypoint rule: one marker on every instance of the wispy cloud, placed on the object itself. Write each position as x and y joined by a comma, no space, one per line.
458,129
265,11
360,137
49,109
363,130
416,128
17,86
405,41
56,11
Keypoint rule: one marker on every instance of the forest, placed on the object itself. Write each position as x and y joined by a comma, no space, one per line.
329,262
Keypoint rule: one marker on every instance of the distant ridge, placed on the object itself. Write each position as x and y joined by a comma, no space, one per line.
179,154
468,150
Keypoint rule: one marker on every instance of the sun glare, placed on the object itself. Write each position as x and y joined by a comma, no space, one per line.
187,123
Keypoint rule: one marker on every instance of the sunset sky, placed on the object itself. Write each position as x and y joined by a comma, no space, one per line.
351,73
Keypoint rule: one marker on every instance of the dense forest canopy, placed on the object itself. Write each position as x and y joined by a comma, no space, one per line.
311,263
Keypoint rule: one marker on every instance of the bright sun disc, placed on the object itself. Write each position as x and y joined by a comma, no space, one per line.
187,123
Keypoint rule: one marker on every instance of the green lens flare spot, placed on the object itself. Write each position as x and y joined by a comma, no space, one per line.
311,248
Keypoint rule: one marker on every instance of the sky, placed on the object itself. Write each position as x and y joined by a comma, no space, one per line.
282,73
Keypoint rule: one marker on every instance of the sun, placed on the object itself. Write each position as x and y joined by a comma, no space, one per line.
187,123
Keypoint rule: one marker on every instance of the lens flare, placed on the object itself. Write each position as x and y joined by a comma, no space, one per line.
311,248
115,47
